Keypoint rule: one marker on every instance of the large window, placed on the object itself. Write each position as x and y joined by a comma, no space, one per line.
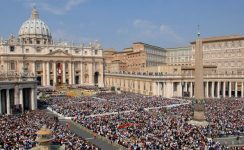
12,65
12,48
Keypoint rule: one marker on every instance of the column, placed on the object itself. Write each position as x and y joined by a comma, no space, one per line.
64,73
34,68
218,89
54,74
154,88
33,99
0,101
21,102
191,92
8,102
242,89
224,89
70,73
73,72
207,95
230,89
158,89
43,74
101,82
236,89
185,88
16,94
48,73
179,89
90,72
81,73
212,89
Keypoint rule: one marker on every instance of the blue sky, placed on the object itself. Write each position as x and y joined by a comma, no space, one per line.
119,23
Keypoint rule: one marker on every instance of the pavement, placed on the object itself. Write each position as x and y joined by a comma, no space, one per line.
89,137
231,141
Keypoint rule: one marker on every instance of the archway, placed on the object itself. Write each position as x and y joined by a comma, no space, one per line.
39,80
11,98
26,99
96,75
3,102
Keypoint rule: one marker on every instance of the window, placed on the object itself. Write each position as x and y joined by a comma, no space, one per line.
12,65
50,50
95,52
38,42
66,51
27,50
12,48
76,51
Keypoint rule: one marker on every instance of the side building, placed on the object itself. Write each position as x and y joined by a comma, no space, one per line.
223,71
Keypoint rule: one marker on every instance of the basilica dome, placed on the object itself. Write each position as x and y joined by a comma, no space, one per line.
35,31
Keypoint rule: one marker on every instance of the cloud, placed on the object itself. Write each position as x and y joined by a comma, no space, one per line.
144,24
45,5
151,32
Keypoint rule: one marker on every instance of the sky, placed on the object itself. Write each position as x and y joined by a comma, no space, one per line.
119,23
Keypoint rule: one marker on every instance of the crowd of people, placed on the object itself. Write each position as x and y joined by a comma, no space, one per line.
165,128
18,132
106,103
137,122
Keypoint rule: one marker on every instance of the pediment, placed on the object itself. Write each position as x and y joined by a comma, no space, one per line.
58,53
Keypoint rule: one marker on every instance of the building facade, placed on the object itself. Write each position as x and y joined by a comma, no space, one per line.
52,63
222,75
136,58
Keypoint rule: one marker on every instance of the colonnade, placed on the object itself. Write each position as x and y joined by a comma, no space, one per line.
17,98
177,88
69,72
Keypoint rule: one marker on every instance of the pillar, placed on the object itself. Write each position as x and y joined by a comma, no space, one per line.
8,102
230,90
154,88
33,99
54,74
191,89
34,68
21,102
242,89
81,73
179,89
64,73
185,88
16,96
70,73
101,82
212,89
236,89
207,94
48,73
43,74
224,88
90,72
158,89
73,72
218,89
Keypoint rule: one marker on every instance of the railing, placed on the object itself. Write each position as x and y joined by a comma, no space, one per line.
155,76
16,76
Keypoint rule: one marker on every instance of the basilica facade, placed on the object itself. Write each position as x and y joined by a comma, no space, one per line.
33,59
